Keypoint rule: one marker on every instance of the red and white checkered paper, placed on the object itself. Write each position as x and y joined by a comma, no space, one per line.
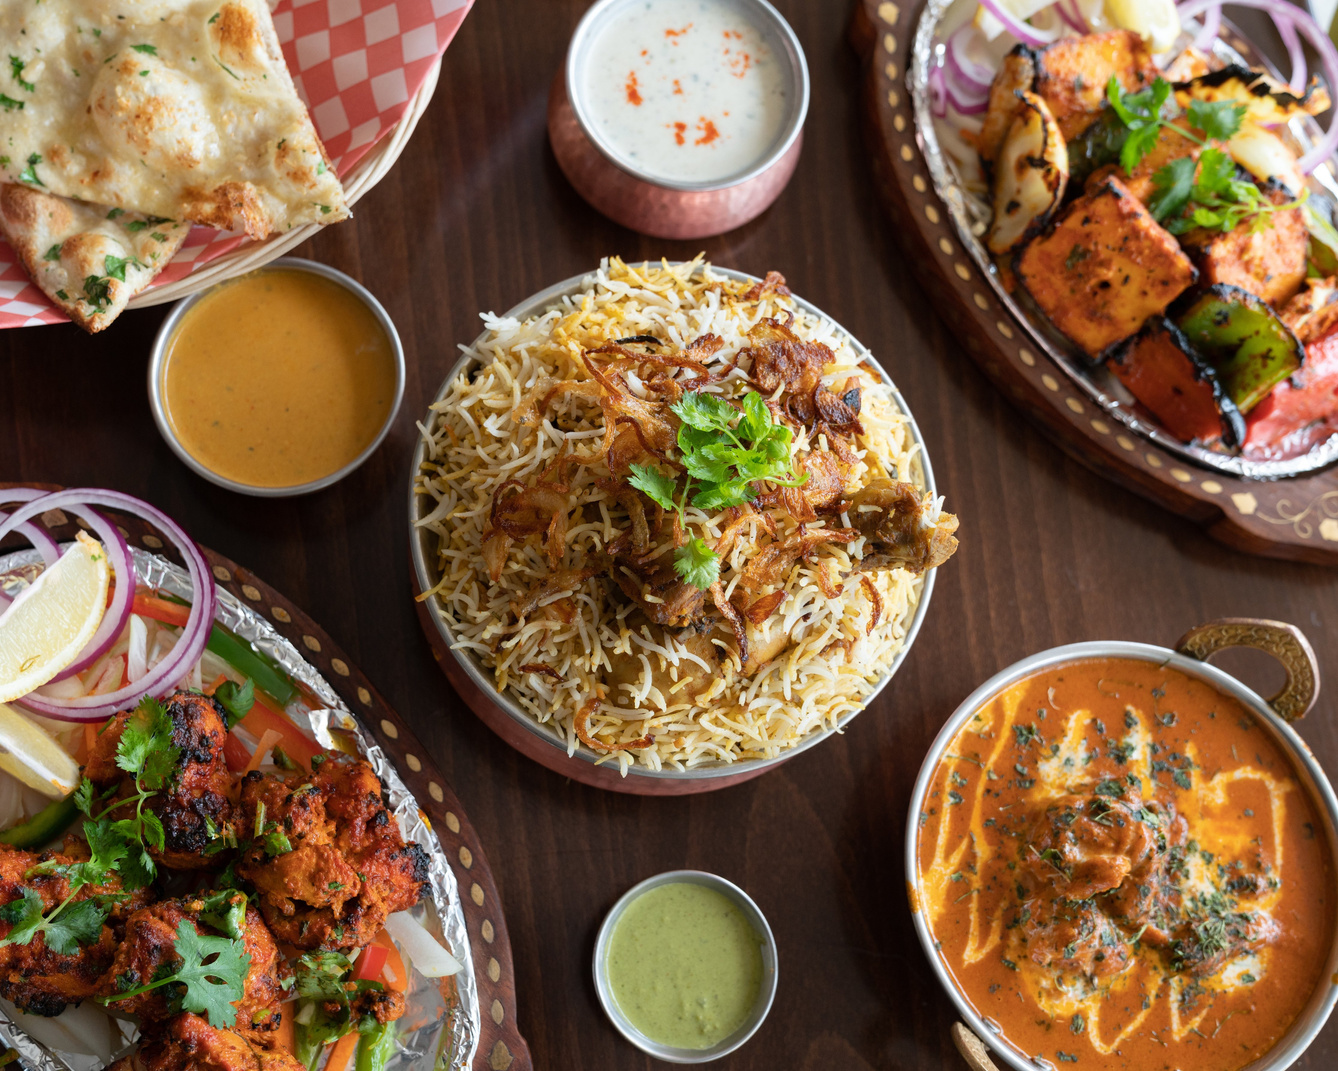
357,64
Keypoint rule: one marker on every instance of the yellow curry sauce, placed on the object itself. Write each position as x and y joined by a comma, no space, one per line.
1122,870
278,379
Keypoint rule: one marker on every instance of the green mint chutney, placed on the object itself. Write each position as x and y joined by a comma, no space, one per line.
684,965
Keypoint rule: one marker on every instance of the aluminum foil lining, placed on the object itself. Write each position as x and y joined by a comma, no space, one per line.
450,1038
971,213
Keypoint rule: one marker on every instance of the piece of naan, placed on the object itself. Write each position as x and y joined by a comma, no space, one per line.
178,108
88,259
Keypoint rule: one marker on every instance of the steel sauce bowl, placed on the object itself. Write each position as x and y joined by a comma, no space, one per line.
654,205
474,682
158,368
1284,642
766,992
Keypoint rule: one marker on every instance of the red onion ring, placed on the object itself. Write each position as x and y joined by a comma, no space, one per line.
1212,25
167,673
1068,11
1028,35
938,93
123,596
969,74
1283,12
1295,56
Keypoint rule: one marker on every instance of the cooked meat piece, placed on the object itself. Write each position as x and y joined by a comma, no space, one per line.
348,867
197,799
149,946
659,592
33,976
626,670
189,1043
1268,261
1204,941
891,516
821,493
1068,936
1072,74
1104,267
780,359
773,562
379,1004
1168,147
1017,74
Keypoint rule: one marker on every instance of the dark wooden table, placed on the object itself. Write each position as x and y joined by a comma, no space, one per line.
477,216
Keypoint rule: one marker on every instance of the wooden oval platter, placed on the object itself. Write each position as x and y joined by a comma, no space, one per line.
501,1047
1294,518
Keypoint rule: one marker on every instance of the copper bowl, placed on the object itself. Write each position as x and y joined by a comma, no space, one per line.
652,205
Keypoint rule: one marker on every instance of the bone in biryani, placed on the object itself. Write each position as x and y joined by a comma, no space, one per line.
680,519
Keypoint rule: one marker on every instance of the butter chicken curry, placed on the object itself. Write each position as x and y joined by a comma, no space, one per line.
1123,870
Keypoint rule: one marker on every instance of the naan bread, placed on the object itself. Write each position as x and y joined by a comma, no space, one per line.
179,108
90,260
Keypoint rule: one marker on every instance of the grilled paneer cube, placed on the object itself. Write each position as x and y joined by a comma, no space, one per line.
1161,369
1072,74
1265,257
1104,267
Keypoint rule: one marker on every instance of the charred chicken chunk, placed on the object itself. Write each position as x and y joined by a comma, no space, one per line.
194,806
189,1043
34,975
328,859
892,516
149,946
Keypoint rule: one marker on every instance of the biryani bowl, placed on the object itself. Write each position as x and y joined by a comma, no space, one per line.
546,739
983,1025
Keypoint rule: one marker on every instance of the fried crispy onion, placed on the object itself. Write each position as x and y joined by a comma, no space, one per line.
871,590
782,360
891,516
774,283
562,580
734,618
542,668
583,734
773,562
519,511
765,607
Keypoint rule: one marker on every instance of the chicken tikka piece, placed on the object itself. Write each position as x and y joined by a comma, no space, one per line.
195,807
34,976
189,1043
149,946
327,857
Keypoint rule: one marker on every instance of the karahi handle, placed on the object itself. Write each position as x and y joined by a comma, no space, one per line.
973,1050
1285,642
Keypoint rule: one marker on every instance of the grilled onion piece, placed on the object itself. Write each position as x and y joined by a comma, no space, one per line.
1030,175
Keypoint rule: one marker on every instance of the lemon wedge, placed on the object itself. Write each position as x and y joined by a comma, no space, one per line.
1156,21
52,620
34,758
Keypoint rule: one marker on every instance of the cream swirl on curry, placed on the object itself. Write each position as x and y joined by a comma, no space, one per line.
1122,870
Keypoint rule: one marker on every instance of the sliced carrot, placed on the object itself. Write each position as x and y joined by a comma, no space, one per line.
296,744
169,613
87,743
213,687
394,963
267,741
286,1036
342,1053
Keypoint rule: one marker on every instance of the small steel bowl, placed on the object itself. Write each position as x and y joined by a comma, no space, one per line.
158,368
509,720
766,992
1287,644
651,204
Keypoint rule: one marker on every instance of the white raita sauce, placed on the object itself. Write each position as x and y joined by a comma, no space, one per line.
684,90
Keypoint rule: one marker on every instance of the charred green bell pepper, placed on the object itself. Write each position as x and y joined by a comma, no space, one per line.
376,1047
1097,145
45,826
1243,338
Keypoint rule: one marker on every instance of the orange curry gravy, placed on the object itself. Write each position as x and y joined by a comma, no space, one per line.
1123,870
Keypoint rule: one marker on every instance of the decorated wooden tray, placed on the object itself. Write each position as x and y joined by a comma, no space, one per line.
499,1045
1294,517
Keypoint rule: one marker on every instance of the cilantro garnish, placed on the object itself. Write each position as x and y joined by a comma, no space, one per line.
1189,193
16,66
97,291
115,266
53,253
148,50
725,452
116,213
68,927
225,911
236,699
29,173
212,973
10,104
270,837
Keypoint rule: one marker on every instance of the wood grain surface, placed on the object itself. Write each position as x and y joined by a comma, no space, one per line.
478,216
